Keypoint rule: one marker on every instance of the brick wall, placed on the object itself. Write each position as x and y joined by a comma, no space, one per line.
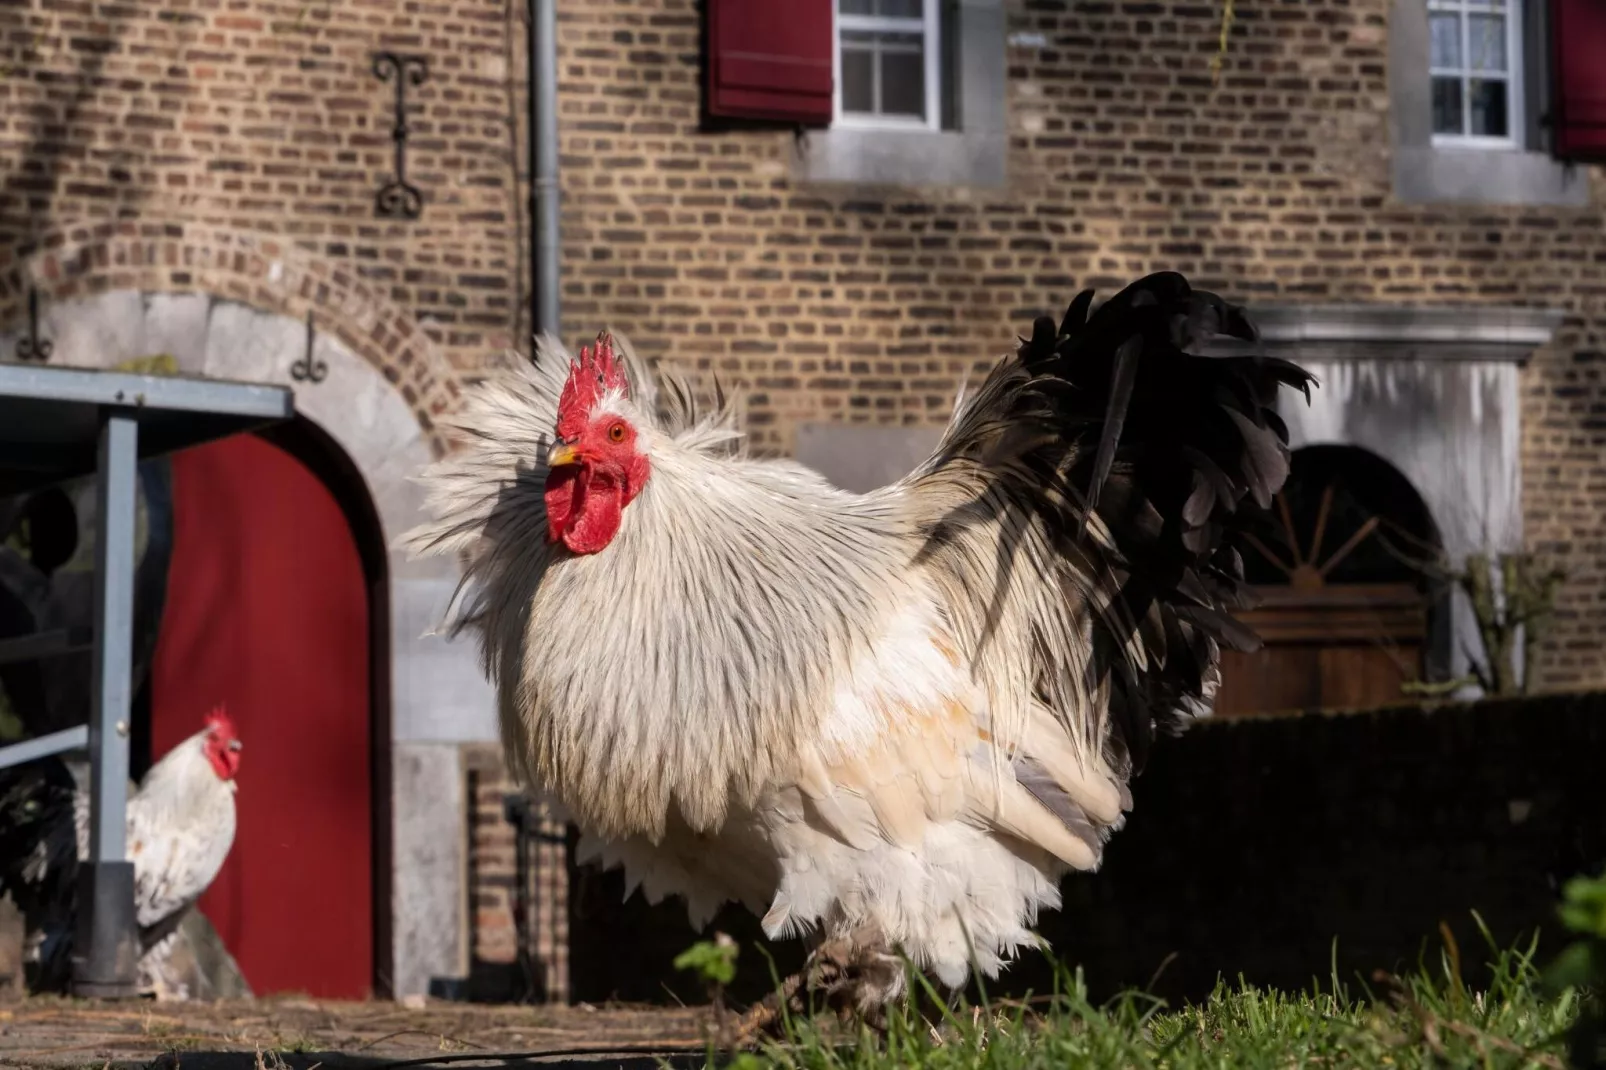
262,120
869,304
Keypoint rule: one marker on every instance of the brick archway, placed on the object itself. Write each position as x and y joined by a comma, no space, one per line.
77,261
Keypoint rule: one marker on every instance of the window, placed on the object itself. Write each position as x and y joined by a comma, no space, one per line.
888,64
1475,61
1470,76
918,95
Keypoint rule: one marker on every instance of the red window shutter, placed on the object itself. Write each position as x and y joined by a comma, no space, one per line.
771,59
1578,114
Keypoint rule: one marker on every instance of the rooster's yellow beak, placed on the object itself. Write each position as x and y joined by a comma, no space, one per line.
561,454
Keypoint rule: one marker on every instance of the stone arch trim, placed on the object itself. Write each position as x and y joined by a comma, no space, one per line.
387,386
267,272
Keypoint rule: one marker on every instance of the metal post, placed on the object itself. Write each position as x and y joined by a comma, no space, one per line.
517,810
545,238
106,944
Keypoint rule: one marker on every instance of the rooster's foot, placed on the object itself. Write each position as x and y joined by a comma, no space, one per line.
855,975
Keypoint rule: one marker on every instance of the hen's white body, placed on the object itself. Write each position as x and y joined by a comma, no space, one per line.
181,824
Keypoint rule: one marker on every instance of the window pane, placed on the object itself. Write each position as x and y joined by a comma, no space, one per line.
1447,106
902,43
1486,41
1489,108
903,76
858,77
1446,41
896,9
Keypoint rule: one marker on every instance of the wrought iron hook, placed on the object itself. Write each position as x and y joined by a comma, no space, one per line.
306,369
398,198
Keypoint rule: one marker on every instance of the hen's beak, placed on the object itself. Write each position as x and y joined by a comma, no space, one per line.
561,454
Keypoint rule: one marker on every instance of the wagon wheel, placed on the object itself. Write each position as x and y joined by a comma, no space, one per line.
1309,569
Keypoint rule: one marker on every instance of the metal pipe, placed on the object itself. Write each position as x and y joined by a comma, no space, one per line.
545,239
106,945
68,739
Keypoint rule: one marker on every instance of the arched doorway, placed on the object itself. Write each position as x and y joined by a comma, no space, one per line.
274,606
431,697
1346,608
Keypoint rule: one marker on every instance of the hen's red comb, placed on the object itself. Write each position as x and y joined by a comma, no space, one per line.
592,375
220,723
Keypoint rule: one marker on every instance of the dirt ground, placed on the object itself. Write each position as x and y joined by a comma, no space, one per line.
292,1034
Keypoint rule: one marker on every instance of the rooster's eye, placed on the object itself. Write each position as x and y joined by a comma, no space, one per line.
616,433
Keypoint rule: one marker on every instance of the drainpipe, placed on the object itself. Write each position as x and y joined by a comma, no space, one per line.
542,25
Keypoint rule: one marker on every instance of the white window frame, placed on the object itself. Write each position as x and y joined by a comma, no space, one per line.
1516,116
927,25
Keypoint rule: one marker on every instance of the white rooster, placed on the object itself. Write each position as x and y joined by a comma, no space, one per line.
181,824
889,721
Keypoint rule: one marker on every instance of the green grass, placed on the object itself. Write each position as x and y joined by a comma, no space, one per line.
1427,1019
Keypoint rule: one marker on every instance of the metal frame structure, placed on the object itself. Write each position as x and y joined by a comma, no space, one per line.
60,423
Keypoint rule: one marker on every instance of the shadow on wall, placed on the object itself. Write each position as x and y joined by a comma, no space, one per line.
1252,845
31,177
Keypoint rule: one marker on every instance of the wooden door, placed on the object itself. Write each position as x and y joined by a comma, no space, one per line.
267,612
1350,646
1343,612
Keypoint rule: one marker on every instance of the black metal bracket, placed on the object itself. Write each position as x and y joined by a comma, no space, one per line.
398,198
306,369
520,814
32,347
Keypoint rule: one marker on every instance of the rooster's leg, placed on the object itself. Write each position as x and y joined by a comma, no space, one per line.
856,974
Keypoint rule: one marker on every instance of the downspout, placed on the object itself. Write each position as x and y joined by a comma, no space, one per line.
545,240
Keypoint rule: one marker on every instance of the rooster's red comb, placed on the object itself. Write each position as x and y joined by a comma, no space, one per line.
220,723
591,376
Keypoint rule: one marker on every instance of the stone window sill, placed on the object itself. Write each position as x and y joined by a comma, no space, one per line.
903,158
1456,175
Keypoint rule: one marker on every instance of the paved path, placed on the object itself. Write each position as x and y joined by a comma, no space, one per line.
296,1034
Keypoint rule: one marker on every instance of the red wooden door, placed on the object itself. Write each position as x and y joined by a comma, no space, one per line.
267,611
